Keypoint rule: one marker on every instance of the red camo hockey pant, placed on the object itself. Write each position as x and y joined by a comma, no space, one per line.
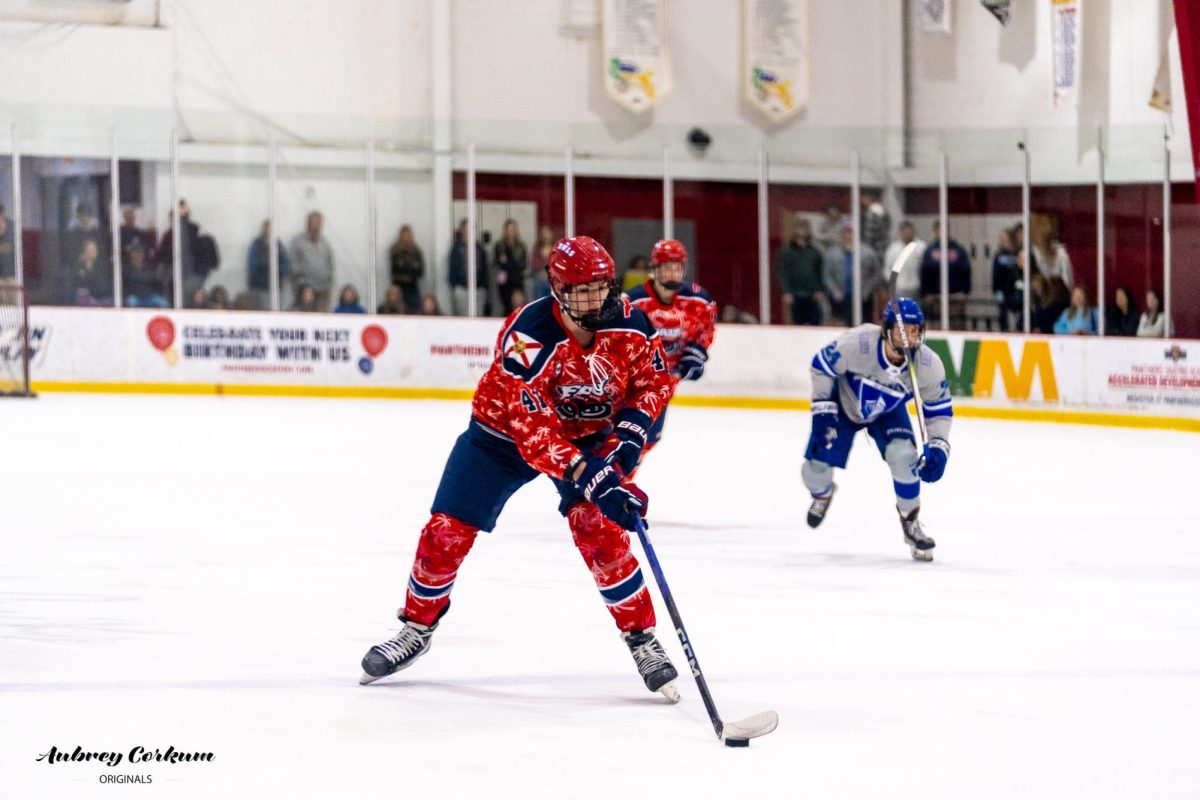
445,542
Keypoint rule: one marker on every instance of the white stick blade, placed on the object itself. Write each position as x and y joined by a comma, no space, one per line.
904,256
751,727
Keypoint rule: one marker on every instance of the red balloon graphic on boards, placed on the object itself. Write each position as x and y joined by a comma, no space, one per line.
161,333
374,340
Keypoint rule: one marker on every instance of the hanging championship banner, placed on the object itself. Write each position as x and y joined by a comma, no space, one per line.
1160,94
999,8
1065,28
775,56
637,67
935,16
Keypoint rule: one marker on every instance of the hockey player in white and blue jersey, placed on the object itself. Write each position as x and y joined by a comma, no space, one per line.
861,380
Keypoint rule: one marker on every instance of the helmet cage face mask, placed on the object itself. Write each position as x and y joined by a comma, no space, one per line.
672,285
669,251
897,341
910,314
578,301
583,281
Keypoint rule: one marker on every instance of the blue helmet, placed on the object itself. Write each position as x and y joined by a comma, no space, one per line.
910,312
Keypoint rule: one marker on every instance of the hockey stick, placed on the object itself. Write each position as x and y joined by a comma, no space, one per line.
733,734
909,354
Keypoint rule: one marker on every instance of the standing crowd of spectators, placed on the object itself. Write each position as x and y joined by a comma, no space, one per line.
816,272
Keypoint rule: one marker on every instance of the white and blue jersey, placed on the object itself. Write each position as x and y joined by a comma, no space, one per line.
853,371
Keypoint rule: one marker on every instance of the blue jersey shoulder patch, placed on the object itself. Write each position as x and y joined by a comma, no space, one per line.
531,339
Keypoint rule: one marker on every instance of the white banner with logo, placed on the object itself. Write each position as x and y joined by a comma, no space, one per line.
350,353
1066,29
234,348
775,69
637,64
1156,376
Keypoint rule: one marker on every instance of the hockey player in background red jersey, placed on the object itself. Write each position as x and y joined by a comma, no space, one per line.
577,380
683,314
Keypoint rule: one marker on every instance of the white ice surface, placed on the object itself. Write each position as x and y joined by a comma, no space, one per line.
207,572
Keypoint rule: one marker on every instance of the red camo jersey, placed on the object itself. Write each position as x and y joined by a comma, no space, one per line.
545,391
690,317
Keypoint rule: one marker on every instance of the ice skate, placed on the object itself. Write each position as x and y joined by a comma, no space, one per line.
397,653
820,505
656,669
914,536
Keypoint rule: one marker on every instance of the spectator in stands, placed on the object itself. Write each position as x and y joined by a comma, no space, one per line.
218,299
408,267
539,259
875,220
198,298
312,260
8,251
1006,279
874,285
637,272
959,278
141,280
733,315
909,282
306,299
829,231
458,273
430,307
348,301
1047,300
1079,319
801,276
839,275
246,301
258,266
197,253
511,262
1049,256
85,219
1153,322
130,233
90,280
393,302
1121,318
836,274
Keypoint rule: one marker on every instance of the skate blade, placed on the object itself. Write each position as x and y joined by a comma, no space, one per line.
921,555
365,679
751,727
670,691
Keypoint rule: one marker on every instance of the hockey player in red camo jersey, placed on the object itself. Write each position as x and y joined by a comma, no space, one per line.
577,380
683,314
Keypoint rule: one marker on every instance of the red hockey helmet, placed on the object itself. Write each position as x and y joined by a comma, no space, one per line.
577,261
580,259
669,251
666,253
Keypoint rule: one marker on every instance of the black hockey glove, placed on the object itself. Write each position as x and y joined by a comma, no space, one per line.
933,463
691,363
600,483
624,445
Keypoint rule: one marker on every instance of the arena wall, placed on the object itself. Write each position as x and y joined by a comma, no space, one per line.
1133,382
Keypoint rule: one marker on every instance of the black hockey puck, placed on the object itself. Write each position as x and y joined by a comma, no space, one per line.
737,742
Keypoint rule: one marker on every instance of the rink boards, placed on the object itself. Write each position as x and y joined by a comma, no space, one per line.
1135,382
